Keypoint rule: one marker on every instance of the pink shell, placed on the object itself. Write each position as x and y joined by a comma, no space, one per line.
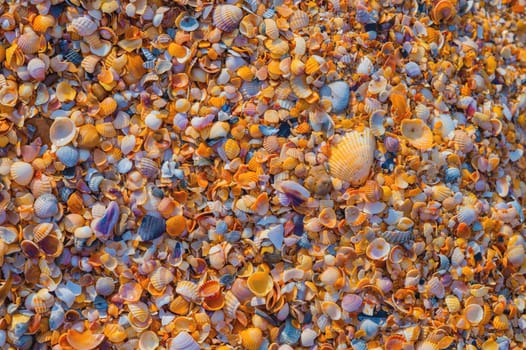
352,303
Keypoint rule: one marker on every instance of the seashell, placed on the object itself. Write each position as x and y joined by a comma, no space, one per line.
294,193
452,303
308,337
332,310
466,215
300,88
356,169
62,131
231,304
365,67
462,141
422,112
179,306
277,47
188,290
37,69
148,167
148,341
352,303
270,28
227,17
260,283
436,288
56,317
42,230
21,173
214,303
88,137
68,155
232,148
417,133
187,23
370,328
338,93
440,192
183,341
298,20
176,225
328,218
46,206
330,276
84,26
376,122
443,11
83,340
41,23
209,289
378,249
412,69
377,85
151,228
105,286
29,42
501,322
106,130
30,249
139,315
251,338
219,130
65,92
474,313
160,278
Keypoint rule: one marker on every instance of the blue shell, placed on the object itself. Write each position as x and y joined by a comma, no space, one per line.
151,228
106,224
268,130
100,303
338,93
452,175
289,334
68,155
74,57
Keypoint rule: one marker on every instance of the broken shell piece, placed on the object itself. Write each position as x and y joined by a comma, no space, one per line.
378,249
417,133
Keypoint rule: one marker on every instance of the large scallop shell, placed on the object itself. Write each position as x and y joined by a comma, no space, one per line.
352,158
227,17
22,173
83,340
417,133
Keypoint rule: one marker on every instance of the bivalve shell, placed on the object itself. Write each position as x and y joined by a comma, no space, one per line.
22,173
183,341
260,283
227,17
417,133
62,131
251,338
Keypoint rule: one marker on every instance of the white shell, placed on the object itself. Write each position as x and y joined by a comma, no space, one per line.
378,249
46,206
62,131
37,69
467,215
308,337
22,173
184,341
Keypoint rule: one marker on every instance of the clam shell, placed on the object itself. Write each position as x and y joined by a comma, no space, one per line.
139,315
378,249
187,23
83,340
338,93
290,332
37,69
443,11
148,341
41,23
151,227
227,17
160,278
299,87
29,42
332,310
376,122
474,313
46,206
183,341
130,291
308,337
232,149
417,133
298,20
351,159
148,167
84,26
88,137
466,215
330,276
42,230
68,155
105,225
452,303
105,286
351,303
51,246
260,283
62,131
209,288
188,290
436,288
21,173
251,338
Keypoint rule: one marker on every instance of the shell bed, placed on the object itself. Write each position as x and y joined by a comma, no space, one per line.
253,175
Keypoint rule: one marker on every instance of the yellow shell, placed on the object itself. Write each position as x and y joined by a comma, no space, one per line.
277,47
299,87
351,159
260,283
444,10
251,338
106,130
41,23
232,149
245,73
65,92
88,136
139,315
453,304
176,225
89,63
270,28
85,340
417,133
501,322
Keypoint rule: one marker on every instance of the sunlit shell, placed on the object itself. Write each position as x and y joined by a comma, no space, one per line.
328,217
227,17
37,69
351,303
501,322
299,87
84,25
351,159
376,122
62,131
88,136
148,341
330,276
417,133
298,20
187,23
466,215
251,338
270,29
105,286
332,310
41,23
474,313
443,11
231,304
160,278
183,341
83,340
453,304
176,225
22,173
462,141
378,249
232,148
139,315
209,288
130,291
440,192
29,42
260,283
338,93
46,206
188,290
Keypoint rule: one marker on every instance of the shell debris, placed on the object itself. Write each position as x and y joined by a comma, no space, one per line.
262,174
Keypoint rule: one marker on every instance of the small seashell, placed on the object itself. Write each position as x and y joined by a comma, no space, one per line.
376,122
417,133
260,283
83,340
84,26
176,225
355,169
105,286
378,249
436,288
452,303
88,137
370,328
37,69
41,23
209,289
332,310
412,69
231,304
148,341
183,341
330,276
188,290
187,23
46,206
251,338
22,173
308,337
151,228
443,11
139,315
338,93
232,148
105,225
466,215
227,17
293,192
62,131
351,303
298,20
328,218
160,278
65,92
29,42
68,155
474,313
501,322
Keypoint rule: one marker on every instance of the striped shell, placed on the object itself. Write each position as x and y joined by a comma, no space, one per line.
396,236
188,290
183,341
22,173
29,42
352,158
232,149
46,206
37,69
41,23
160,278
227,17
298,20
452,303
84,26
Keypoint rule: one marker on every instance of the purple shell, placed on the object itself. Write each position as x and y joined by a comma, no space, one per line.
105,224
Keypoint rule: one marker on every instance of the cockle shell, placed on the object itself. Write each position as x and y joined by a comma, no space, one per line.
378,249
83,340
84,25
231,304
417,133
139,315
251,338
105,286
29,42
37,69
298,20
68,155
443,11
351,159
260,283
227,17
160,278
332,310
62,131
436,287
452,303
46,206
474,313
188,290
22,173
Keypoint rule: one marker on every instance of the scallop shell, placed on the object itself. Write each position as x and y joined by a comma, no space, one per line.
160,278
188,290
260,283
29,42
466,215
42,230
37,69
62,131
452,303
251,338
298,20
46,206
231,304
41,23
148,167
68,155
139,315
183,341
84,26
83,340
417,133
440,192
352,158
300,88
232,148
22,173
378,249
462,141
88,137
227,17
501,322
209,289
436,288
151,227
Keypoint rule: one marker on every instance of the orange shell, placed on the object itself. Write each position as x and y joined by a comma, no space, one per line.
232,149
417,133
85,340
176,225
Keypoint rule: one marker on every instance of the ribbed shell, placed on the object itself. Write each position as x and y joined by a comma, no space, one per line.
351,159
397,237
84,26
227,17
298,20
46,206
22,173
